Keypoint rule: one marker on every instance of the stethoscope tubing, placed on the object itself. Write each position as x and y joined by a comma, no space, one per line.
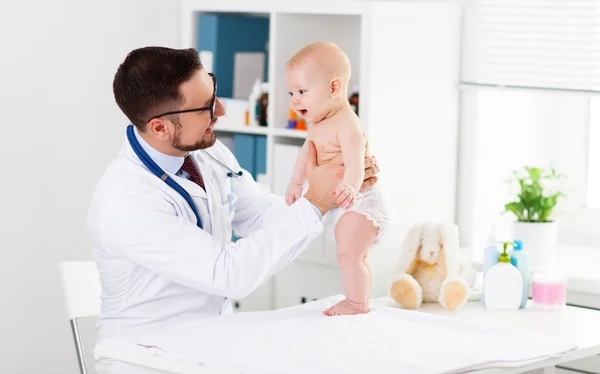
156,170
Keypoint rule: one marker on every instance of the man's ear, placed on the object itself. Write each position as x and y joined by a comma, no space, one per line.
335,88
158,128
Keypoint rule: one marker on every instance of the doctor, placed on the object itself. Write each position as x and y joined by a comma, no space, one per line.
162,214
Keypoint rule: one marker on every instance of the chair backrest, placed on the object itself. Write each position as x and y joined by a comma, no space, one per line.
81,287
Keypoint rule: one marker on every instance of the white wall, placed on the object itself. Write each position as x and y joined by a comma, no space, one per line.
415,144
412,50
60,128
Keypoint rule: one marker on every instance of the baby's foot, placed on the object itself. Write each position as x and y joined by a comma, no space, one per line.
346,307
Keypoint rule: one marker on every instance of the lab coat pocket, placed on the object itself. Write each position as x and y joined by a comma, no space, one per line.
227,223
228,199
228,207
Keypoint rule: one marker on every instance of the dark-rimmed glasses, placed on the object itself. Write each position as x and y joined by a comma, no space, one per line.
211,107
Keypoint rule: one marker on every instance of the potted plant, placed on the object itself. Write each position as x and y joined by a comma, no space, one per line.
537,192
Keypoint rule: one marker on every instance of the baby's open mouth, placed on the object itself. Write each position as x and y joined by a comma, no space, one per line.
302,112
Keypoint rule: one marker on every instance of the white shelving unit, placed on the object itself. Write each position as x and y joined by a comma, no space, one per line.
405,59
243,130
289,133
275,132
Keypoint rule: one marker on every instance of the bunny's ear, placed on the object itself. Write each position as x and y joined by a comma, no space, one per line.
449,241
410,246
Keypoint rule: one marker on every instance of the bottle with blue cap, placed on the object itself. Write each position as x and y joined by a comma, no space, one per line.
491,253
520,259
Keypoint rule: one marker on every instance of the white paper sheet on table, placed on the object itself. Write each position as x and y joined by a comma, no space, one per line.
386,340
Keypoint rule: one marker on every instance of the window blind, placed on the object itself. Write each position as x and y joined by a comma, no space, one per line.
532,43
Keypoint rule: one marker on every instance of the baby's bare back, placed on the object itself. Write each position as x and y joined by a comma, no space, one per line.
325,135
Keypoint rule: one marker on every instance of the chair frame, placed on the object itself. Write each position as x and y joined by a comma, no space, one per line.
81,287
78,346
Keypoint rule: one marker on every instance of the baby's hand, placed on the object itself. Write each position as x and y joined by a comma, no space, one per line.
345,194
293,193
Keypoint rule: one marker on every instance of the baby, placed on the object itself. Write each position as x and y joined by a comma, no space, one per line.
317,79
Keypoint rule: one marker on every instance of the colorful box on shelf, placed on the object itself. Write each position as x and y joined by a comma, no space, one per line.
295,122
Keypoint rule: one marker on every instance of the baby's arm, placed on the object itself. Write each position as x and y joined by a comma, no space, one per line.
294,190
352,143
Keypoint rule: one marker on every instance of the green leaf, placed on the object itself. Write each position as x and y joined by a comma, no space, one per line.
532,205
535,174
516,208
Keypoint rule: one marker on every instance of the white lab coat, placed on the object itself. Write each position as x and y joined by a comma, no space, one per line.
157,267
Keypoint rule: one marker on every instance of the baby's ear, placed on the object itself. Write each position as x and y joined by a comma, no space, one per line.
335,87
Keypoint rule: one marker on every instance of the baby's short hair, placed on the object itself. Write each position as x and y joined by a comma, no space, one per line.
327,56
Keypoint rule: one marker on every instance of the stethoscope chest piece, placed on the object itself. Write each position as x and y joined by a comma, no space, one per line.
231,174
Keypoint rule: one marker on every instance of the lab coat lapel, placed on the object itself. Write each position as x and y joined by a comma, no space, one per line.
191,187
200,199
198,195
213,193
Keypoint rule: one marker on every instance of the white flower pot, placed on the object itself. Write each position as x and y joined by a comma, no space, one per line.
539,239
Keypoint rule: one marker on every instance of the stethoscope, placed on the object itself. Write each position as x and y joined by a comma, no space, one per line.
156,170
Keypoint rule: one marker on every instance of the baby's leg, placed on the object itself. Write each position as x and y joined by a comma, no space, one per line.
365,261
354,235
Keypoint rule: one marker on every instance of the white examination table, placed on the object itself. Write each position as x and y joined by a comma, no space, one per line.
387,340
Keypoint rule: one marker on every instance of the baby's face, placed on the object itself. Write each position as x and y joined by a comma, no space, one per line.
309,94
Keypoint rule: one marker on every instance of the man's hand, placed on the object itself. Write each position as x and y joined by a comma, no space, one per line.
371,170
322,179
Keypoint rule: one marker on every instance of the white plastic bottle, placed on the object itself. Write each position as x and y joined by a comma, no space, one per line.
490,253
253,103
503,284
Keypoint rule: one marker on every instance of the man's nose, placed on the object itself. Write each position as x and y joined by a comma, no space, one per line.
219,108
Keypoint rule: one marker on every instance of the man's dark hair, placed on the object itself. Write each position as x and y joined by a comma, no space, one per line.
147,82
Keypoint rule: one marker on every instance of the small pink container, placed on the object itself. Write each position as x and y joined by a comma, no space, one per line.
549,292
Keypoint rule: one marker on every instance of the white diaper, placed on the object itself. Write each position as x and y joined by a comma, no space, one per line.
372,203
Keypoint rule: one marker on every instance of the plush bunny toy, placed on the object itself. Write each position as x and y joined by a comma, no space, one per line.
430,268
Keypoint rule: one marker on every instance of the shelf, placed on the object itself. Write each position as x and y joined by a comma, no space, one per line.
242,129
362,30
289,133
293,31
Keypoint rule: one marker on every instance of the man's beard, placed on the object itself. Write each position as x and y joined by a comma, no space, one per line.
203,143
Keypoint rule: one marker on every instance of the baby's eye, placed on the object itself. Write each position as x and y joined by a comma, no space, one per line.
291,94
302,92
